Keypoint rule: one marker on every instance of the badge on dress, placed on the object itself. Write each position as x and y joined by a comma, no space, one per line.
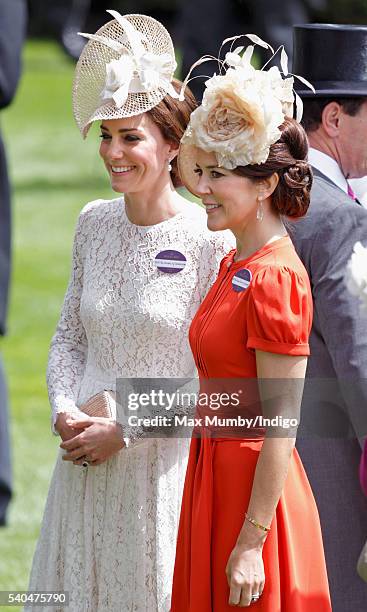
241,280
170,261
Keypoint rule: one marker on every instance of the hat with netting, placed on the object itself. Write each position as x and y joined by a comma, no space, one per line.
125,69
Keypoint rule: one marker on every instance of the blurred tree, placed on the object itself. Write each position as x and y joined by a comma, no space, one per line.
338,11
48,18
62,19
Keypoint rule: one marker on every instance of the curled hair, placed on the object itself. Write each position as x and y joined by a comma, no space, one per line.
172,118
288,158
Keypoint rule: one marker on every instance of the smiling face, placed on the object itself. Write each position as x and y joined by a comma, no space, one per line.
135,153
231,201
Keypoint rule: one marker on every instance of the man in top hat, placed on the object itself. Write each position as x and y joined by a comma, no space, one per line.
334,412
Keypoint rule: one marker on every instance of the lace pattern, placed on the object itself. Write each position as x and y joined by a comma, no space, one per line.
109,533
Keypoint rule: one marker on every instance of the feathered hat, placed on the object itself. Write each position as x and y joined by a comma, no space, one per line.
125,69
242,109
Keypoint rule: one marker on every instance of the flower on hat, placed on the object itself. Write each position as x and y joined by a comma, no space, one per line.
119,73
242,110
356,277
136,70
240,116
137,73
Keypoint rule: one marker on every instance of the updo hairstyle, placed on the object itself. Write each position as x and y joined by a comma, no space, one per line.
172,118
287,157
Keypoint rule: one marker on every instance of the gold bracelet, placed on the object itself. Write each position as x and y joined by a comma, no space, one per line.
256,524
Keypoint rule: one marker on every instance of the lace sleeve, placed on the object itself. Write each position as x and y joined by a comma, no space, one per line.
69,344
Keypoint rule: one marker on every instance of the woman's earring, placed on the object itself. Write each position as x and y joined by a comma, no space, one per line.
169,166
260,210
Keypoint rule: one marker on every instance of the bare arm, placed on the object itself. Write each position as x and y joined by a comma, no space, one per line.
245,570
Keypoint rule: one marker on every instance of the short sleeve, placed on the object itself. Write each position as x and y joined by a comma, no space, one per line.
279,314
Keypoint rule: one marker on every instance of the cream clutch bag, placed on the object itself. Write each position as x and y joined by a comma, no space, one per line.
102,404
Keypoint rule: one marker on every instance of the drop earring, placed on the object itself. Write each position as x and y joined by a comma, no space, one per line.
169,166
260,210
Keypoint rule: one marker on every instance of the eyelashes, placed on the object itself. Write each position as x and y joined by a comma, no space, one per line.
213,173
128,138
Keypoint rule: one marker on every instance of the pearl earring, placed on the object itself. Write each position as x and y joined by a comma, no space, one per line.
260,210
169,166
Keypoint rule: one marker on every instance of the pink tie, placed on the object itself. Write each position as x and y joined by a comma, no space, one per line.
351,192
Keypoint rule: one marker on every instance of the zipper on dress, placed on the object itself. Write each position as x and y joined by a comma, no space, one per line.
207,319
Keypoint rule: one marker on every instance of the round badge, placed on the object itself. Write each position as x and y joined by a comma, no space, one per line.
170,261
241,280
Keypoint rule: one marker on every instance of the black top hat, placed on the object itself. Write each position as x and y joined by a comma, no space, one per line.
332,57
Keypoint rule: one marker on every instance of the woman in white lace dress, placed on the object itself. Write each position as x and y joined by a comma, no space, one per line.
109,530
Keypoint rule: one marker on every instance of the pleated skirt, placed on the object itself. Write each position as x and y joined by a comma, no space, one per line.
216,495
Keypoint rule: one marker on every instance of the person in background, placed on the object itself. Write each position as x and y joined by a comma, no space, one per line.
13,16
334,411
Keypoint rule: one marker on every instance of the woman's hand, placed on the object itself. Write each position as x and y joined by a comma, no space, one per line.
245,575
63,428
100,439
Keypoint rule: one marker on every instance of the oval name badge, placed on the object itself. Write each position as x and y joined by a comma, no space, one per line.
241,280
170,261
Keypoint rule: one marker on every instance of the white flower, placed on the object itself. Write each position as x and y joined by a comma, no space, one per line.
233,59
282,89
356,277
138,70
134,74
241,113
119,74
153,68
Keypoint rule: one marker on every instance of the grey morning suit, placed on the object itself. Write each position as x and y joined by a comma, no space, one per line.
335,414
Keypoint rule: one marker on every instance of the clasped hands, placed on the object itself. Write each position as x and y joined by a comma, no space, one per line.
94,439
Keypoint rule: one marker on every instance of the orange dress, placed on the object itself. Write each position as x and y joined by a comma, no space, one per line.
265,303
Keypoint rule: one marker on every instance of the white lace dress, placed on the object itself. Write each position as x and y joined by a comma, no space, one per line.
109,532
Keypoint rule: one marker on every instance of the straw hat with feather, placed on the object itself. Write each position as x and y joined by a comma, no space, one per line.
125,69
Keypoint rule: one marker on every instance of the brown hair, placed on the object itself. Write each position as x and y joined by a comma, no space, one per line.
287,157
172,118
313,109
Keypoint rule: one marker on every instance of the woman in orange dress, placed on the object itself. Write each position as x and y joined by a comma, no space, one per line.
249,530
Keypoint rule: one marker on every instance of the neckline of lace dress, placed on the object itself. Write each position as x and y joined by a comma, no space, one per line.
145,228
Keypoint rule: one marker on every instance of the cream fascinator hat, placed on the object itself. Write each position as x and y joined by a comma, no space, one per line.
125,69
241,112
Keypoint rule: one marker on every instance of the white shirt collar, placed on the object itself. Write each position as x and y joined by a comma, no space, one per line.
328,166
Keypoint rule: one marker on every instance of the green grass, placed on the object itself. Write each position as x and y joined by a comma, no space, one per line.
54,173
